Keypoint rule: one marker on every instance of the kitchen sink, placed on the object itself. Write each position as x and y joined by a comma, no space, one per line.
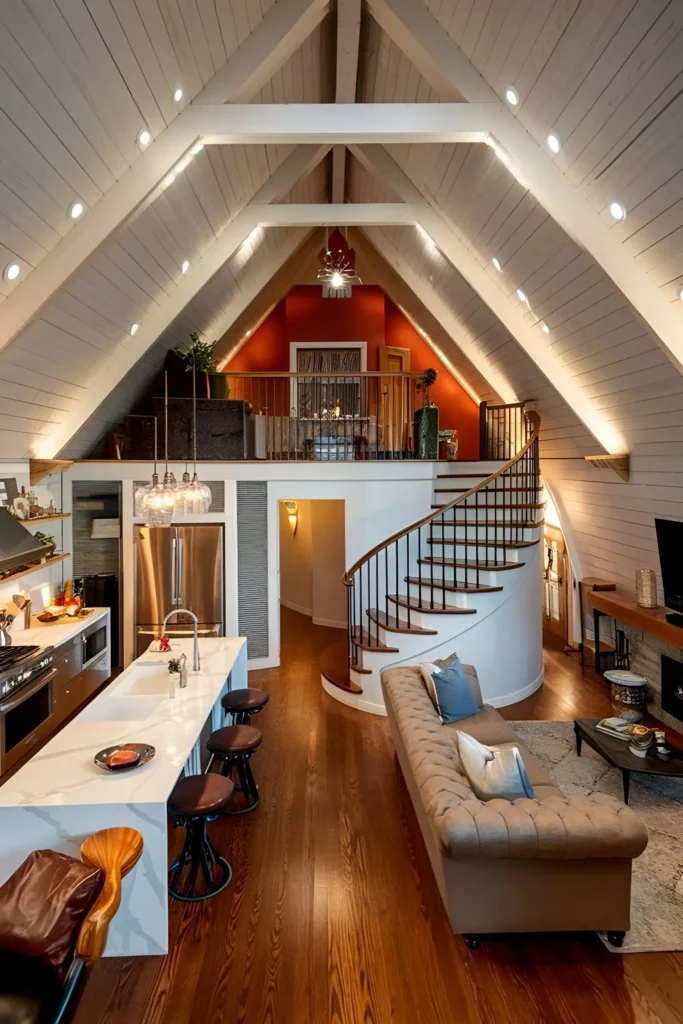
144,681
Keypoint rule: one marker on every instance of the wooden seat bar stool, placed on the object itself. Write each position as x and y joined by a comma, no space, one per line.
233,746
244,703
196,800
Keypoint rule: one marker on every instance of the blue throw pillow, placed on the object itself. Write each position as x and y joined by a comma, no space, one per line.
450,692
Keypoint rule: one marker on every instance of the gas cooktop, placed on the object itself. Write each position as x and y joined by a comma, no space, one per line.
11,655
20,664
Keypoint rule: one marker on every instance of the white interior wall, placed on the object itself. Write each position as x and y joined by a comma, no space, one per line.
312,561
296,560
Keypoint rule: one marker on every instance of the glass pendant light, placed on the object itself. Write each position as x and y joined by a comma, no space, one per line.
159,502
194,497
148,499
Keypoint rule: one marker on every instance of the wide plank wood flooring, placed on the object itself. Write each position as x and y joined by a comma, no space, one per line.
333,915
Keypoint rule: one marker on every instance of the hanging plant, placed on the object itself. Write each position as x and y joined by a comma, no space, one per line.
425,382
198,355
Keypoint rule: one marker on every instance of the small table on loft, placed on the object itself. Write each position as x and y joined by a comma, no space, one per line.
617,753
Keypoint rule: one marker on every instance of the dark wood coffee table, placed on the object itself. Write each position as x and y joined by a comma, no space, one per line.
616,753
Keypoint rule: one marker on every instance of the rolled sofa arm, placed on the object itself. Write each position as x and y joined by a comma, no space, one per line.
562,828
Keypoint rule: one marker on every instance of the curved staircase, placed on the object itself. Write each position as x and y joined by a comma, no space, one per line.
467,577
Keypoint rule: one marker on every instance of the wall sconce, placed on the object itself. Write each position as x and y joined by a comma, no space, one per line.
293,515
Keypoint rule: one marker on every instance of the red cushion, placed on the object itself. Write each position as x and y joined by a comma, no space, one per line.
42,907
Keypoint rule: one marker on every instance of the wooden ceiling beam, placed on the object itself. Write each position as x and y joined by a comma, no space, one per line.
424,41
348,40
277,36
433,222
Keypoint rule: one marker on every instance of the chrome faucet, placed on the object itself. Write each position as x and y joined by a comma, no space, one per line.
195,653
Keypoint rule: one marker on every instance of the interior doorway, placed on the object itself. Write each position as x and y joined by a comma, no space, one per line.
394,398
555,573
313,560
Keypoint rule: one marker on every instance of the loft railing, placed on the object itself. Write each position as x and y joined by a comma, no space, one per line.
508,499
322,416
502,430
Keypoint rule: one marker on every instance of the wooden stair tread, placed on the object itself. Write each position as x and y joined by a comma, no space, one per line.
409,602
490,566
468,508
454,588
334,665
363,639
523,524
485,543
484,490
396,625
468,476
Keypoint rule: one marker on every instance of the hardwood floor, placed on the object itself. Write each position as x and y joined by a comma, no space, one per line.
333,915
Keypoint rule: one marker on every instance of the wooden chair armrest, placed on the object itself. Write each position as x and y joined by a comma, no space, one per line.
116,851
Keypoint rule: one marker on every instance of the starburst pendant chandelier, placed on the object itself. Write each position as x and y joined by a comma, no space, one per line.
338,270
193,497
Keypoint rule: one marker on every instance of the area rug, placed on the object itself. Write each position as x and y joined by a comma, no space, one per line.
657,887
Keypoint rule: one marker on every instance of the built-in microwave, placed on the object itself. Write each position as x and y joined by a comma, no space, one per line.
94,642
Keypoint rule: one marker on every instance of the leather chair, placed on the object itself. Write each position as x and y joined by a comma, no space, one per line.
55,913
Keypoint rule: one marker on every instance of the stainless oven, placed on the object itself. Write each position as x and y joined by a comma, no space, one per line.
25,718
93,643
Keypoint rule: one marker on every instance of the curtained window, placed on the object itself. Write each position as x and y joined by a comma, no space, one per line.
319,396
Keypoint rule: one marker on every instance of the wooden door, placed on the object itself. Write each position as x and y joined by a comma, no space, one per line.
555,582
394,397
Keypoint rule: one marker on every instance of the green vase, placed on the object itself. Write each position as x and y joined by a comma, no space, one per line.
427,432
218,385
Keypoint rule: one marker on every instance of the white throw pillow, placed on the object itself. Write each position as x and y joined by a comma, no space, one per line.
494,772
427,668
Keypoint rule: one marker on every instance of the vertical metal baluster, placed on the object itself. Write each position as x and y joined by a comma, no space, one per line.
408,568
376,605
386,585
395,547
419,567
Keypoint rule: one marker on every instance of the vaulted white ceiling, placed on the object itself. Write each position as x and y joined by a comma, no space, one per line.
79,79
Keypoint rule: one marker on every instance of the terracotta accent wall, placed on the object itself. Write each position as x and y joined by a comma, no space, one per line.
368,316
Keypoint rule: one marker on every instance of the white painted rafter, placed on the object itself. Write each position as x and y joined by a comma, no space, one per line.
298,164
277,36
348,38
379,163
439,59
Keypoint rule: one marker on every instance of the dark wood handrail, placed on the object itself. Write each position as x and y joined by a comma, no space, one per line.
533,418
414,375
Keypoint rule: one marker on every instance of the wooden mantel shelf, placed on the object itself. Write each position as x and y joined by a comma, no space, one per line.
621,605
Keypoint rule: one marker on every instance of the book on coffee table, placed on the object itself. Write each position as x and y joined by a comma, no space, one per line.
616,727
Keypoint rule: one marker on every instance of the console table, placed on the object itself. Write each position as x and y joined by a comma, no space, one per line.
605,598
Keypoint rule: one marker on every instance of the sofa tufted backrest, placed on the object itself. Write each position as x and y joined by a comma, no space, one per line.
555,827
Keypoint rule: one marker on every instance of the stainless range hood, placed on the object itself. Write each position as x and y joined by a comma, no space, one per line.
17,545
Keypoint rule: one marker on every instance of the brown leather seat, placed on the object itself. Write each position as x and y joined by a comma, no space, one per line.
247,699
200,794
234,739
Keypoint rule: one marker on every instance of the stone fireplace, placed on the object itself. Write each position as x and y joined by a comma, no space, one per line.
662,666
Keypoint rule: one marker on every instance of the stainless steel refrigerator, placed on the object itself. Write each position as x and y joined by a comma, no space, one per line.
177,567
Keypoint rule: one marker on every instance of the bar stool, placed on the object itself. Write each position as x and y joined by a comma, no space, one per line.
242,704
234,745
196,800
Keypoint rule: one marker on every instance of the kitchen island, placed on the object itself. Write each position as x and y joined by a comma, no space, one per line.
60,796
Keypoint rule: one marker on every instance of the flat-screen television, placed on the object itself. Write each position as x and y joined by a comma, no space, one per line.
670,544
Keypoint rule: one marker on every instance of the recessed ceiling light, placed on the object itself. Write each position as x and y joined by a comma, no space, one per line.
554,142
247,333
544,327
144,137
178,94
11,272
75,210
617,211
496,263
197,148
422,332
185,266
134,329
511,95
521,295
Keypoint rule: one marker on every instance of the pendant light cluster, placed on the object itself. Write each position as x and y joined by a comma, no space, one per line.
159,503
193,497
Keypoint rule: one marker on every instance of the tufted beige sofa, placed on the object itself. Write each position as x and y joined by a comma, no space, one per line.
554,863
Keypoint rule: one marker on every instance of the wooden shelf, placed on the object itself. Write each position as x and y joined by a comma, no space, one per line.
35,568
45,519
604,648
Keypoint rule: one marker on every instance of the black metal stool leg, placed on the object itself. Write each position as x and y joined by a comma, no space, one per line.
198,852
247,786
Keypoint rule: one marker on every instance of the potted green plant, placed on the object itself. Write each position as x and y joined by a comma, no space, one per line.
427,419
199,356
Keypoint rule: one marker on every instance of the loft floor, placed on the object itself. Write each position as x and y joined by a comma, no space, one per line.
333,915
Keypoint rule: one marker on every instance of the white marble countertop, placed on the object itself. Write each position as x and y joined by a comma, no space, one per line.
135,707
52,634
